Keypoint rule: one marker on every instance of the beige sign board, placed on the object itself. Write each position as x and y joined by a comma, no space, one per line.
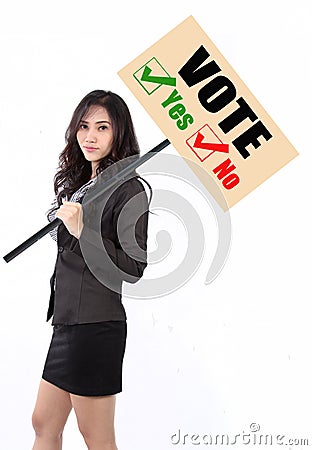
207,112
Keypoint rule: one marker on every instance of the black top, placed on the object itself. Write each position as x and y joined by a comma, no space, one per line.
77,296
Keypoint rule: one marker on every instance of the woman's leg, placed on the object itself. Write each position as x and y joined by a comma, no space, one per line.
51,411
95,417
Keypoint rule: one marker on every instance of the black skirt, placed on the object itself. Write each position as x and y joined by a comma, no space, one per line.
86,359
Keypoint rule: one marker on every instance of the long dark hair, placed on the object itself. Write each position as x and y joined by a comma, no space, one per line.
73,169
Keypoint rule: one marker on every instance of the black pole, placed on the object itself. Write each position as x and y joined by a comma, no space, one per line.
107,185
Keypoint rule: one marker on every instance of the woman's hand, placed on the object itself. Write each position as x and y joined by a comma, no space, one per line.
71,214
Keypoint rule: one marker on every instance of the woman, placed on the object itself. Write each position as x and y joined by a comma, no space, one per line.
83,368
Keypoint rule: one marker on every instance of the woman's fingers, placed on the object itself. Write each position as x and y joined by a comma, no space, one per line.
71,215
75,205
70,208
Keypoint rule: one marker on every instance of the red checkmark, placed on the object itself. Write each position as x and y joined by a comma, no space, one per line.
223,148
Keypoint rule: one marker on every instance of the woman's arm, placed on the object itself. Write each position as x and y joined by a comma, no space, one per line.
130,221
119,252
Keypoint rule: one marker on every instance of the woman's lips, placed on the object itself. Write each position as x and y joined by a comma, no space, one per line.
90,149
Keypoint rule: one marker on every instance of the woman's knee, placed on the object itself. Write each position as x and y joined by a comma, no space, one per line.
102,442
51,411
45,427
98,437
37,422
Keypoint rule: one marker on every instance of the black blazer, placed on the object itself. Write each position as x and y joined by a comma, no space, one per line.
77,296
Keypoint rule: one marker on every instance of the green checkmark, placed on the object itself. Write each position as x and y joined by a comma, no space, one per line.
159,80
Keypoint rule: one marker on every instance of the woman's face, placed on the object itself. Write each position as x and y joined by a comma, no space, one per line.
95,135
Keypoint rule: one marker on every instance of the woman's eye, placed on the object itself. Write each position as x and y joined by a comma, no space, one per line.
103,127
83,126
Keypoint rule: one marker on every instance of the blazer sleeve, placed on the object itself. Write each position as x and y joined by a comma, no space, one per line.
130,224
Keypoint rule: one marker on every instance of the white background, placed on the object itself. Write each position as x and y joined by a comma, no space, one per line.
206,358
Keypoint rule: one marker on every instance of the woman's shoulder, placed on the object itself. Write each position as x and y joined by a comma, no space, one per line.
130,188
132,185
